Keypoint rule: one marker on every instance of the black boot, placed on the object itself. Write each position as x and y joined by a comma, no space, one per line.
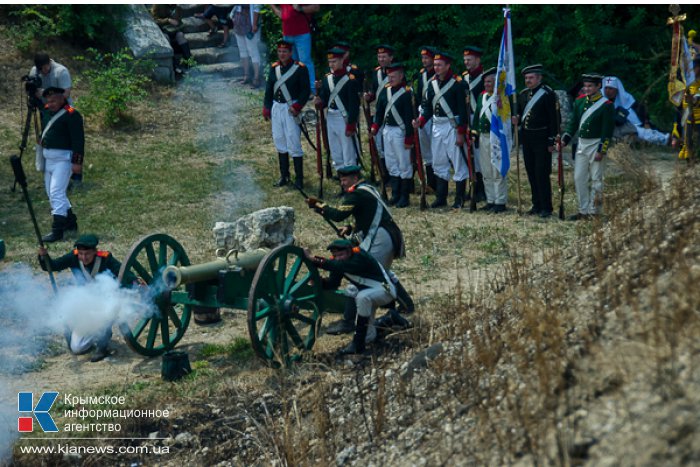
405,190
459,194
430,177
347,324
479,189
57,227
299,172
71,221
357,346
186,53
284,169
440,193
395,185
391,319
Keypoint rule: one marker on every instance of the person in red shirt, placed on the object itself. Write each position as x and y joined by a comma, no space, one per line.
295,29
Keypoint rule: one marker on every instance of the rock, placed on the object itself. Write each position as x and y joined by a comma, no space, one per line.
344,456
146,40
153,435
421,360
185,439
72,458
267,228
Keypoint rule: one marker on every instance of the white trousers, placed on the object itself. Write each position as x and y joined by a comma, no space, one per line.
342,147
285,132
396,156
588,177
646,134
445,153
382,248
425,136
57,174
249,48
495,186
368,300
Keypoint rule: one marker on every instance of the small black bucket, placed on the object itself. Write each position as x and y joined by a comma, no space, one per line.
176,364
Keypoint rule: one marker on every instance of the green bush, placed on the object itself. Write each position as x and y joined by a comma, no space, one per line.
115,80
35,25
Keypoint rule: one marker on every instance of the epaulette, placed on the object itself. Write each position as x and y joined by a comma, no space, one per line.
458,78
408,88
329,73
387,85
583,96
483,92
351,76
422,70
377,68
102,254
275,64
465,72
353,66
69,109
301,64
524,91
609,101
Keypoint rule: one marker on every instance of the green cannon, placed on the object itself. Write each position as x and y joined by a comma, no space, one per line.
280,289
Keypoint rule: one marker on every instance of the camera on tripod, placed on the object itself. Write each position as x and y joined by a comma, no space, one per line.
32,84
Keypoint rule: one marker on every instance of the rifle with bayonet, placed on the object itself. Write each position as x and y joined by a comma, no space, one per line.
324,134
468,157
374,156
319,156
419,158
560,165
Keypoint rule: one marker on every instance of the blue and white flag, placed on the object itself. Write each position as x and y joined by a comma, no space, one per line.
501,128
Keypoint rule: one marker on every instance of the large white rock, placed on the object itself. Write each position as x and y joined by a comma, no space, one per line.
267,228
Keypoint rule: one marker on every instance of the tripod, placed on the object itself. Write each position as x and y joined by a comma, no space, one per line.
32,114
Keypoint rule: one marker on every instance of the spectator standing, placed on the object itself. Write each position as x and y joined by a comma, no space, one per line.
52,74
296,21
247,31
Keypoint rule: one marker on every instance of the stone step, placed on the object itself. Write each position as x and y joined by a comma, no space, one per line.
225,69
191,9
210,55
194,25
200,40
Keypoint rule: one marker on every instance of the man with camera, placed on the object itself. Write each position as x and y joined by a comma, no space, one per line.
63,146
51,75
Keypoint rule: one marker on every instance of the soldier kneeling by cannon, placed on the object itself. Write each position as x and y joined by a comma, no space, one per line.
370,285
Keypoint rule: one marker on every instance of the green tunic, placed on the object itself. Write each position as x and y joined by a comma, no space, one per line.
71,261
483,124
360,263
599,125
404,106
360,204
421,86
66,132
297,84
348,96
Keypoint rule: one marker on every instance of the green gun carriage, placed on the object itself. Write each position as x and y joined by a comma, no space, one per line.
280,289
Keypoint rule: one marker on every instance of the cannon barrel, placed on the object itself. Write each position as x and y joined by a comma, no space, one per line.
174,276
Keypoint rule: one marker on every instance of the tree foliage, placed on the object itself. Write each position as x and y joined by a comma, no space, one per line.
628,41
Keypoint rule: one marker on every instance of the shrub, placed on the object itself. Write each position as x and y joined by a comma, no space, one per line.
115,80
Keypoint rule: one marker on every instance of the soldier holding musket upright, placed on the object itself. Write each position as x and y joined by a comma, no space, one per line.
286,93
339,94
350,67
385,56
538,130
445,103
427,53
473,79
394,115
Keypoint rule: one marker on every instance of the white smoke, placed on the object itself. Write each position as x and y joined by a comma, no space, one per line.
31,316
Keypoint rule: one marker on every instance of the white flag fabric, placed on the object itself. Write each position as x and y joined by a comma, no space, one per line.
501,128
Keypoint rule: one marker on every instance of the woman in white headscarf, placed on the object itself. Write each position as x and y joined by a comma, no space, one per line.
615,91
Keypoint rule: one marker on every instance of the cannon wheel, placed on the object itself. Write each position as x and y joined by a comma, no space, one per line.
159,332
284,306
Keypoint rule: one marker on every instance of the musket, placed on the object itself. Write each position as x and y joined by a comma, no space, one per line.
21,179
305,131
468,156
319,156
324,134
560,165
419,158
328,221
374,156
517,153
368,120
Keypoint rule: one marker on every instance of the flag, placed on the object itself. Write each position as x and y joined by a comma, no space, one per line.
501,129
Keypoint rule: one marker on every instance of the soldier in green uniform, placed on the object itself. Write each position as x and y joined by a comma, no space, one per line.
394,116
339,94
495,185
427,54
349,66
85,262
538,129
594,118
286,94
63,148
376,231
445,103
385,57
371,286
473,79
